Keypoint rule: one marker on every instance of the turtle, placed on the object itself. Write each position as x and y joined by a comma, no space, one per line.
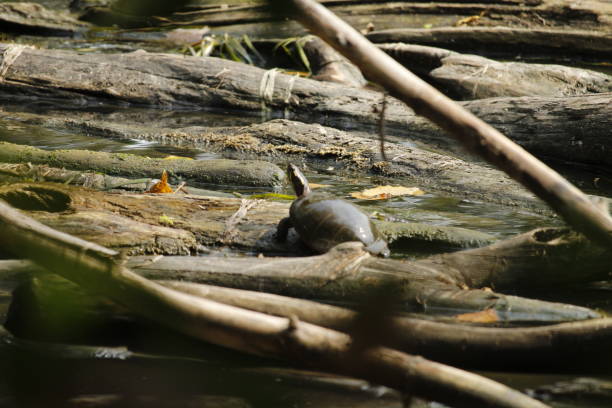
323,222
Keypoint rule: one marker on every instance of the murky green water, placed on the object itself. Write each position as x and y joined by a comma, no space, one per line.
169,381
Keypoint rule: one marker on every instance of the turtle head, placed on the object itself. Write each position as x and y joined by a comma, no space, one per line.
298,180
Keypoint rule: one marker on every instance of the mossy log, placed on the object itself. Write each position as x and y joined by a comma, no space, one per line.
284,140
506,41
464,76
571,128
177,224
222,172
98,181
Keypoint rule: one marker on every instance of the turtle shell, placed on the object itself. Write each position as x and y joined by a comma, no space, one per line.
324,222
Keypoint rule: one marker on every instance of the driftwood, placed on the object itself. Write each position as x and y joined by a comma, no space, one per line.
504,41
34,18
465,76
223,172
474,134
573,128
95,268
583,343
173,223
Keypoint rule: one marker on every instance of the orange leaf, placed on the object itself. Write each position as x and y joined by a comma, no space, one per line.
162,185
484,316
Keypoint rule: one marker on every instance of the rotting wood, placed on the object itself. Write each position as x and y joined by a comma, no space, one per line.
220,171
574,129
96,269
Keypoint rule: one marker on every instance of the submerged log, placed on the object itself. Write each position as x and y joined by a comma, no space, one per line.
170,223
573,129
222,172
282,140
465,76
504,41
96,180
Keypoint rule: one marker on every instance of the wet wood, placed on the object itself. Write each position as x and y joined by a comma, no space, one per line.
464,76
572,129
177,224
222,172
320,146
507,41
95,180
96,269
525,261
539,12
474,134
584,344
34,18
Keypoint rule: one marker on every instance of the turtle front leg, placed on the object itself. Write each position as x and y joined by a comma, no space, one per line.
283,229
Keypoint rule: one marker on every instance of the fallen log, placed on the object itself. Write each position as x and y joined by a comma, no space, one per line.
34,18
95,180
491,348
177,224
464,76
220,171
283,140
524,261
572,129
96,269
533,13
506,41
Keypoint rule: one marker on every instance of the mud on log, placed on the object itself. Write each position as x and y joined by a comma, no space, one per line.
573,124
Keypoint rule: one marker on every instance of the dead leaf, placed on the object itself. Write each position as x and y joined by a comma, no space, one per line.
172,157
162,185
484,316
315,185
384,192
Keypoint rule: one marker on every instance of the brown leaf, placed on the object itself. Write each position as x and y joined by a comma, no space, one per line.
384,192
484,316
162,185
